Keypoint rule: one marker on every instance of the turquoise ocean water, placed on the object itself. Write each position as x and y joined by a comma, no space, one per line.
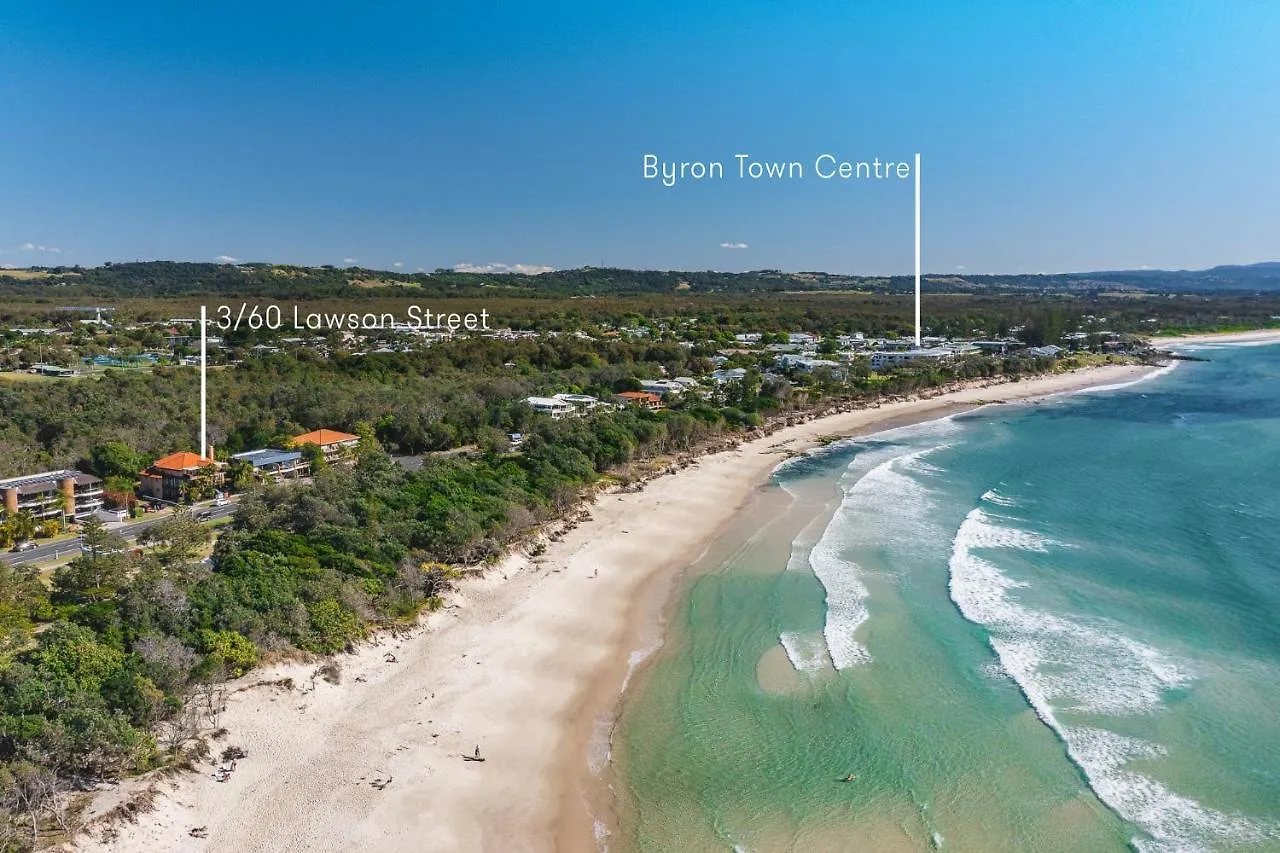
1036,627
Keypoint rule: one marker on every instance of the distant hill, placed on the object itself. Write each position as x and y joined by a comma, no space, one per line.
151,279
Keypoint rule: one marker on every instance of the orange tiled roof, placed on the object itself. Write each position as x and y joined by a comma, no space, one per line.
182,461
323,437
641,395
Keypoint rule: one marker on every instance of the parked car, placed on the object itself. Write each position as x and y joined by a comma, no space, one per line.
221,500
23,546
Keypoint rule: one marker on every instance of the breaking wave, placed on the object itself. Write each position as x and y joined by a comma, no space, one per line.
1072,666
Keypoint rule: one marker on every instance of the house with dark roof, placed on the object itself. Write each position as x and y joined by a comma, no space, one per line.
70,495
275,465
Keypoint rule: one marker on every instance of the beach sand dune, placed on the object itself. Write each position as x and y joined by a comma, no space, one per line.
520,664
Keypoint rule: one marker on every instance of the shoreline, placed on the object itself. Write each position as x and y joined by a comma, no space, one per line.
521,662
1248,337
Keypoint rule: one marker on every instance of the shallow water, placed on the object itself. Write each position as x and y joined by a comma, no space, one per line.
1036,627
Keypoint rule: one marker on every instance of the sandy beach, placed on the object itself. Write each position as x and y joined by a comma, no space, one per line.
519,664
1250,337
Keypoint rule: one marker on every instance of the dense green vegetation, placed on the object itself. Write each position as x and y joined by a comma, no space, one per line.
112,663
169,279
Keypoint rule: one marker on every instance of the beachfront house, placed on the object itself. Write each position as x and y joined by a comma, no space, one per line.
643,399
663,387
582,402
552,407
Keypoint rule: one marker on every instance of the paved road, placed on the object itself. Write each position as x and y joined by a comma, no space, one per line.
130,531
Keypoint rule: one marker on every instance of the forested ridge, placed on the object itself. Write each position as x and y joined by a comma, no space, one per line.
162,279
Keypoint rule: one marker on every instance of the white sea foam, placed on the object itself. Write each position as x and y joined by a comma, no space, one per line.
637,657
806,651
1215,345
943,426
866,498
993,496
600,744
1116,386
1065,665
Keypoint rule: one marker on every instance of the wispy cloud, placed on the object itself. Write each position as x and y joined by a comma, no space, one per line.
398,264
32,247
959,266
226,259
522,269
350,261
733,245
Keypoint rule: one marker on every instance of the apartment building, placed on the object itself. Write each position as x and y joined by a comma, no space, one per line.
71,495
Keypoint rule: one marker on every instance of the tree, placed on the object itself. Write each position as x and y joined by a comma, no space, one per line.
33,791
200,486
100,569
116,459
368,437
1044,327
314,456
21,596
240,475
229,650
18,527
176,539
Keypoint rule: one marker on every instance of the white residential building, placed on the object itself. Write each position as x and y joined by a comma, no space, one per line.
732,374
882,360
580,402
556,409
803,363
662,387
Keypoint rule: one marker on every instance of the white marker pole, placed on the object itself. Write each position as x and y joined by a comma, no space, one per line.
204,443
918,344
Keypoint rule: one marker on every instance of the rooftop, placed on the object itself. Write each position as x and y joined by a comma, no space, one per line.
324,437
182,461
267,456
47,477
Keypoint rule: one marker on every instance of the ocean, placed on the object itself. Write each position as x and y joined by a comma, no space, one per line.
1035,627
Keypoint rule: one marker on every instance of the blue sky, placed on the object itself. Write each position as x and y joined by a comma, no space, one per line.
1054,136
